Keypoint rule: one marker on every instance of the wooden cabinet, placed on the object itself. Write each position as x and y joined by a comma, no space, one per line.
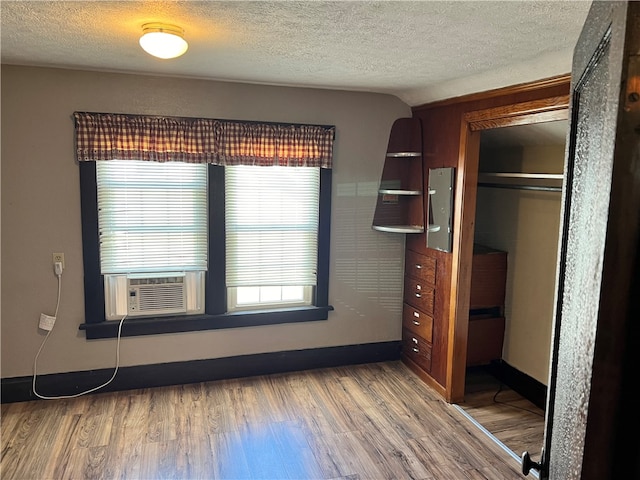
400,204
488,278
417,349
419,294
451,139
485,339
486,305
400,208
424,319
417,322
418,309
420,266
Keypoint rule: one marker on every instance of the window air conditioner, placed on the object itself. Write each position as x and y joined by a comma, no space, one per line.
156,294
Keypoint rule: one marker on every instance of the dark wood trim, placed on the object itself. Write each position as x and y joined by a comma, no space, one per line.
93,281
19,389
556,81
525,113
528,387
216,316
324,238
462,260
473,123
189,323
215,285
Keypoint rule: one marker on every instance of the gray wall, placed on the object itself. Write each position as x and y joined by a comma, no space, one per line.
41,215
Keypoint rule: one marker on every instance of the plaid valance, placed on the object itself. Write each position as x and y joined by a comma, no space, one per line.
110,136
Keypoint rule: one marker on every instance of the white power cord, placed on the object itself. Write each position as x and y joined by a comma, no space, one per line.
58,271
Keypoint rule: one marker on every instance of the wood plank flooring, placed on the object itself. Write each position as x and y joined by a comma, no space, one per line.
507,415
373,421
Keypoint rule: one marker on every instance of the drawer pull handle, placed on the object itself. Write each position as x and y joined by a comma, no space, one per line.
415,350
418,286
415,340
417,323
418,295
418,266
416,314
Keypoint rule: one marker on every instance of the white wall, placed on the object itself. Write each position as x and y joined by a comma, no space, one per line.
526,224
41,215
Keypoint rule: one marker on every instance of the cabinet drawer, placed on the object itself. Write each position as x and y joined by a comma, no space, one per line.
416,349
419,295
420,266
484,343
417,322
488,278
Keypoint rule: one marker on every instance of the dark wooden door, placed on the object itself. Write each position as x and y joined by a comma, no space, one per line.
591,424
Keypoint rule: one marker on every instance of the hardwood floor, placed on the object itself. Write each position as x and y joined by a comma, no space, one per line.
507,415
373,421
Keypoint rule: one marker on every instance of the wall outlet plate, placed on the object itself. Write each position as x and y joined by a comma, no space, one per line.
58,257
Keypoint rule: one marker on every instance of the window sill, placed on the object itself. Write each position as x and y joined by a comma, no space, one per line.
189,323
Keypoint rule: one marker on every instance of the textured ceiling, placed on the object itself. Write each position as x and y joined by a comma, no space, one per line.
420,51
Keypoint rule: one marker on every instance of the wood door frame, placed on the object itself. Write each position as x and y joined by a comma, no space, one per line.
473,123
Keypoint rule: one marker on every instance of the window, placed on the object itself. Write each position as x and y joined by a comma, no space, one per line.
220,242
271,242
152,222
152,216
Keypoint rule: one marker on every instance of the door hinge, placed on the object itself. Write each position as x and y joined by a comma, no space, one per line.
632,92
528,465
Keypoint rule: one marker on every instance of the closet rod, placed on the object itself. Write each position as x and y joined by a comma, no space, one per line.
521,187
536,176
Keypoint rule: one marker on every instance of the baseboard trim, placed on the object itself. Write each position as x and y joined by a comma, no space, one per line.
528,387
19,389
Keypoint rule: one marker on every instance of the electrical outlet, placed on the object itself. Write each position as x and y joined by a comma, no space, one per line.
58,257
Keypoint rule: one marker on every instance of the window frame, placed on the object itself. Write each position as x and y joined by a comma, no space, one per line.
216,315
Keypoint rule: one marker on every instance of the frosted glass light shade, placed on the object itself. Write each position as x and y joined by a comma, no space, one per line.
163,41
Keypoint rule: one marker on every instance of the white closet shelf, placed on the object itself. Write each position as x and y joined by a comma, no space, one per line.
548,182
541,176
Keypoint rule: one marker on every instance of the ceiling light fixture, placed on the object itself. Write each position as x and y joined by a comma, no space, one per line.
162,40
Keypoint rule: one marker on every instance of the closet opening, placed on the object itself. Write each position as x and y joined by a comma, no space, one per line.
513,281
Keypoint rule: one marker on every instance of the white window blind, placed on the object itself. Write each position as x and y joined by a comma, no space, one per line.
271,225
152,217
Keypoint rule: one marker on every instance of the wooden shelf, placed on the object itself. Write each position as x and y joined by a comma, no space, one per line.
399,228
403,154
388,191
400,203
